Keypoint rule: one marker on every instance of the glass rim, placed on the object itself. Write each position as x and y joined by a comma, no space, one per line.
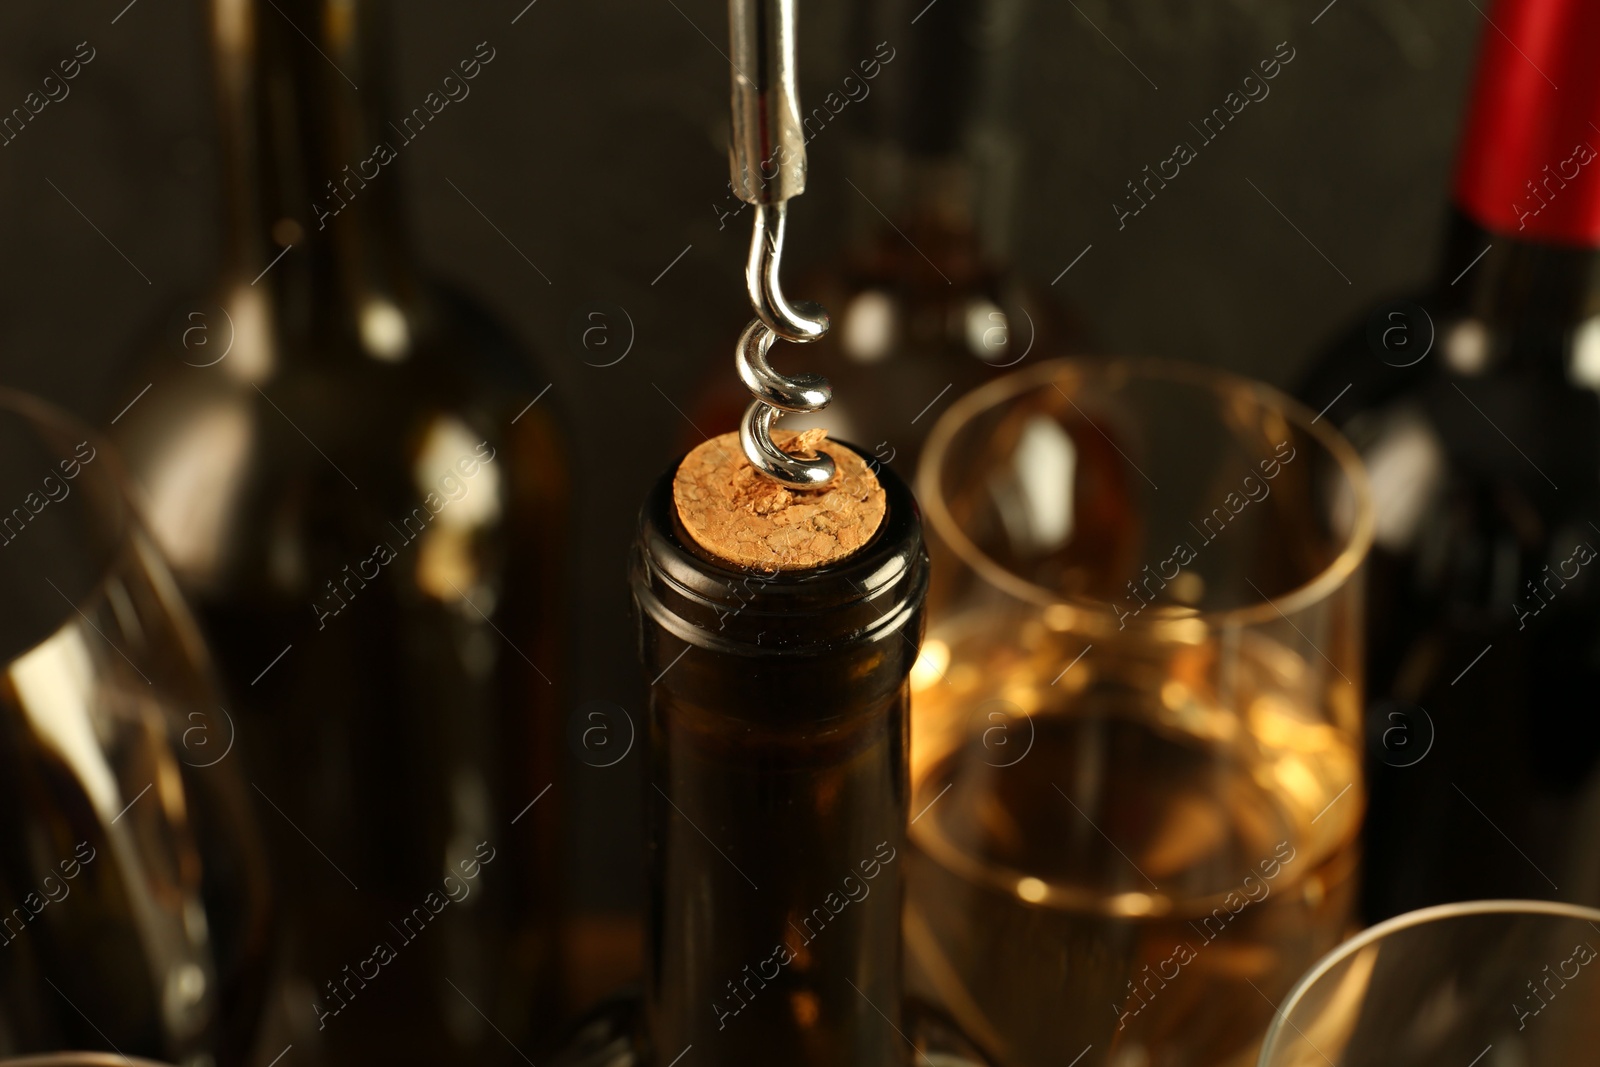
79,1058
1421,917
1353,552
119,522
44,415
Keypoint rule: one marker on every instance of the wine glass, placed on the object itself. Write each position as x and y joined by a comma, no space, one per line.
132,915
1487,983
79,1059
1136,719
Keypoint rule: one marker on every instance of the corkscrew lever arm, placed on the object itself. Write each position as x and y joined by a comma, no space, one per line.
767,158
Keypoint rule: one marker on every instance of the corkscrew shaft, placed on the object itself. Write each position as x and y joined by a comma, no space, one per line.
767,158
768,150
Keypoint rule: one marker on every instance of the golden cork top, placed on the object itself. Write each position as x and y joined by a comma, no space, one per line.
737,515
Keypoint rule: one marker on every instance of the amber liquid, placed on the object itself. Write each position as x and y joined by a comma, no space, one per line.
1131,864
782,949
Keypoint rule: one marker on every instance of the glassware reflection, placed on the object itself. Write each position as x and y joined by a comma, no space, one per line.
132,908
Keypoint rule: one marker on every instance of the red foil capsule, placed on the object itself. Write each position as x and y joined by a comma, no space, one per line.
1530,155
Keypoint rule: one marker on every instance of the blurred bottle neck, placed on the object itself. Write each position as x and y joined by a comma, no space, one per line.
1523,253
1534,298
937,152
311,196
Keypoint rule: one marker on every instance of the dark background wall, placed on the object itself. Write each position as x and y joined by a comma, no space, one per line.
595,143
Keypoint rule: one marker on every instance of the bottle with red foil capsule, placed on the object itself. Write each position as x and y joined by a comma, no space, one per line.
1477,409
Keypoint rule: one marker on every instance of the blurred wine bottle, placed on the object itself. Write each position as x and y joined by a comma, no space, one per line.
361,482
1475,407
924,300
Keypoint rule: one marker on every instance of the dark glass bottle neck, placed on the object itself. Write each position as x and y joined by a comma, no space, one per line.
1521,277
301,87
778,794
937,145
930,100
1524,303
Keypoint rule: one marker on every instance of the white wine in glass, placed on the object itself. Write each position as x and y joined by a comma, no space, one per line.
1135,754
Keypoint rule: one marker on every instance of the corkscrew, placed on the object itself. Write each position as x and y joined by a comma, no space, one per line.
768,162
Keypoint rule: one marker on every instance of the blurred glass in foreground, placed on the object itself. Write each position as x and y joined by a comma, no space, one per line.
1490,983
78,1059
133,903
1135,746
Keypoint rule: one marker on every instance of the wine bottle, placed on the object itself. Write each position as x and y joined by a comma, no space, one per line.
926,303
359,478
1475,408
778,796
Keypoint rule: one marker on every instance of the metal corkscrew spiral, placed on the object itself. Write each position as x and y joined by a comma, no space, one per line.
768,161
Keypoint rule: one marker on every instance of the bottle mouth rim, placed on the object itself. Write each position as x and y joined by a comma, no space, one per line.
717,604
